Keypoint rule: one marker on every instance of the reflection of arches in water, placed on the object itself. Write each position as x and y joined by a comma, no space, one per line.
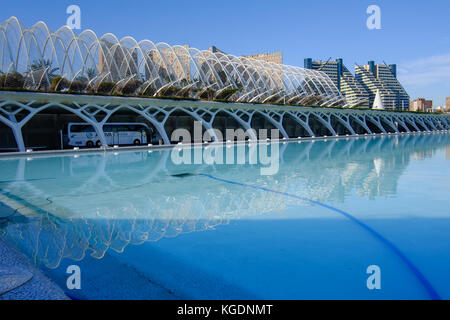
66,228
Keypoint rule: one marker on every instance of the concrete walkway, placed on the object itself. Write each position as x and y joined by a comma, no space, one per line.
21,280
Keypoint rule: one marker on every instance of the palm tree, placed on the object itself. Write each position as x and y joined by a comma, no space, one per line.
38,71
44,64
91,73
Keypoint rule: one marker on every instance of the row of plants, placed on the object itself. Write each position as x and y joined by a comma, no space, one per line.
12,80
136,88
132,87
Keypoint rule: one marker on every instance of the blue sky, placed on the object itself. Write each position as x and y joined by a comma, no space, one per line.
414,34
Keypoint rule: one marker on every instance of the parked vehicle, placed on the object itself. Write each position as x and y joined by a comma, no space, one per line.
84,134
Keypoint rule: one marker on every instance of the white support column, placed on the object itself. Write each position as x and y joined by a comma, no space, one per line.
420,121
237,115
389,122
278,124
412,123
98,127
400,121
431,124
376,122
206,124
304,124
361,122
15,127
440,123
17,131
326,123
446,122
149,113
159,125
90,118
345,123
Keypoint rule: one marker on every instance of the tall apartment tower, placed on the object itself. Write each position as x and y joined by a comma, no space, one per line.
384,78
366,77
354,92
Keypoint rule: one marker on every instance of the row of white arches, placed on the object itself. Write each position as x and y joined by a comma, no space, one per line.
155,69
334,122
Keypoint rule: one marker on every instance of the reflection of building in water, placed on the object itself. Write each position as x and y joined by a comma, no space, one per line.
106,202
447,153
422,155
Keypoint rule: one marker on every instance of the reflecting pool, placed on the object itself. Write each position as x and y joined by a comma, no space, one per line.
141,227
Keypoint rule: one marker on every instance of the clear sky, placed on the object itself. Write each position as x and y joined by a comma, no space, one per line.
415,34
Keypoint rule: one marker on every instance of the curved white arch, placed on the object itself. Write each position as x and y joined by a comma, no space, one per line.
122,60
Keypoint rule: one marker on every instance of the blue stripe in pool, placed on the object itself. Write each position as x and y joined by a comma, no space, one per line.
417,273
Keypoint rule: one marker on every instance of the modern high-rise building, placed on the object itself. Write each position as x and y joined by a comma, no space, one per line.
383,77
388,75
421,105
214,49
354,92
365,76
447,104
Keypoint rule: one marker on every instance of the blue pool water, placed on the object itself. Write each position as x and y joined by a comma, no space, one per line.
141,227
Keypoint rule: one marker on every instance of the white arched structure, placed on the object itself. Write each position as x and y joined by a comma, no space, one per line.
86,60
97,110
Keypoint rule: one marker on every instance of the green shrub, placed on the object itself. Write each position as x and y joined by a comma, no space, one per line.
12,80
170,91
105,87
130,87
148,91
207,94
227,93
59,83
77,86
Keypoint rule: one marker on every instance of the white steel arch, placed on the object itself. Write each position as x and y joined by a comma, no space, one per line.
97,111
85,60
